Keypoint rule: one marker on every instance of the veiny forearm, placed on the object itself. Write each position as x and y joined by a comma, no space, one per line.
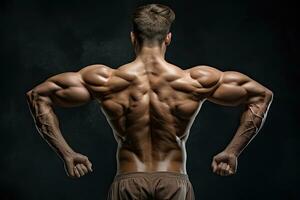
251,122
47,123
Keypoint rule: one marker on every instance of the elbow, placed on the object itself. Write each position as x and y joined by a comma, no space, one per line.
29,95
35,96
32,95
269,95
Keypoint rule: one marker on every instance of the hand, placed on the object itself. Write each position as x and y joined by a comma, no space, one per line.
224,164
77,165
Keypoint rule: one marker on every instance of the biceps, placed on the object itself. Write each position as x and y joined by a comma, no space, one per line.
64,90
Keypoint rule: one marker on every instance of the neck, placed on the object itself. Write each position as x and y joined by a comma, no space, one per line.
150,54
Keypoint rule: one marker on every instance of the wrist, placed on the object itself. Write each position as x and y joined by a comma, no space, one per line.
66,152
232,152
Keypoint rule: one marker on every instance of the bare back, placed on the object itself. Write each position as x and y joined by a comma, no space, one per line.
151,107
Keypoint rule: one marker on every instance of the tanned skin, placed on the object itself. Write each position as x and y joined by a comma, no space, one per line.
150,105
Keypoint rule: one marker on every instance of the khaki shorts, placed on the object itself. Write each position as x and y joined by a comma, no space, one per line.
151,185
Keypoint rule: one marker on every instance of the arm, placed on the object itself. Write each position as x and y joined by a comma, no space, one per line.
66,90
232,89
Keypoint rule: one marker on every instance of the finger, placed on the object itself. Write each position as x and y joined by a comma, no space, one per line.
219,167
83,167
76,172
214,165
89,165
223,166
70,166
226,169
80,170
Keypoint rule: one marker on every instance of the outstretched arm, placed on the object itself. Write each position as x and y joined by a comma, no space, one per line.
66,90
232,89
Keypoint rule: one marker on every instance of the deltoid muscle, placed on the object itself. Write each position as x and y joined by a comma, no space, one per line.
253,120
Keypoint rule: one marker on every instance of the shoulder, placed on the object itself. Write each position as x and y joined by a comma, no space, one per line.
98,69
97,74
207,76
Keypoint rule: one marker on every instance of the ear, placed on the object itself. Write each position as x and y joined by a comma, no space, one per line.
132,37
168,38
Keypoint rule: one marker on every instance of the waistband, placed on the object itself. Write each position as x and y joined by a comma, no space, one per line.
150,174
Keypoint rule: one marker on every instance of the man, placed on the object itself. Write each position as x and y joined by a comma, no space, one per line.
150,105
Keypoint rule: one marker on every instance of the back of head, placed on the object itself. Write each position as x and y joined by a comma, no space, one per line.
152,22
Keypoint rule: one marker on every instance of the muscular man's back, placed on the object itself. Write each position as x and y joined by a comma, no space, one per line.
150,106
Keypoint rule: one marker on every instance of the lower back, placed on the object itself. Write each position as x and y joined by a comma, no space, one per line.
148,159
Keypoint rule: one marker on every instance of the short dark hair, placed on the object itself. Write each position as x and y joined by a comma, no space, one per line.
152,22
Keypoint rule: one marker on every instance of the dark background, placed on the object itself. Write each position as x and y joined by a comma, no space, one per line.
43,38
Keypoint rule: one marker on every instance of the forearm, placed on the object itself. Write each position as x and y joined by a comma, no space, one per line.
251,122
47,123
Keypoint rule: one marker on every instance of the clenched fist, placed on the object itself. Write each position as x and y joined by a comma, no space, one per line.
77,165
224,164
